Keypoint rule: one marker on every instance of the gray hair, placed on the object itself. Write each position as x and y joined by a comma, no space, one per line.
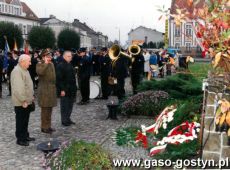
23,57
66,52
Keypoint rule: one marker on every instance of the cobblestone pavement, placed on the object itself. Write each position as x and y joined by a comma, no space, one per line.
90,126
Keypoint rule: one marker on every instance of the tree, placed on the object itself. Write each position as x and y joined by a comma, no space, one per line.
12,32
151,44
145,45
41,37
161,44
68,39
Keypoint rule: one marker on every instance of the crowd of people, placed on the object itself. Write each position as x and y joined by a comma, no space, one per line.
53,74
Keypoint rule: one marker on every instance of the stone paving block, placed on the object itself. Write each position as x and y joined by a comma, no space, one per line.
213,143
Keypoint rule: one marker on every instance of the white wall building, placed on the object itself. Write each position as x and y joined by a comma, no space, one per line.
57,26
182,36
18,13
145,35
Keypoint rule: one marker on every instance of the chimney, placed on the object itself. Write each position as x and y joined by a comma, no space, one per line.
76,20
52,16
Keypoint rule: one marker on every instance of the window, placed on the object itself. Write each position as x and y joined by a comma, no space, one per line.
198,49
24,29
20,26
177,45
0,7
188,47
5,8
177,31
188,30
29,28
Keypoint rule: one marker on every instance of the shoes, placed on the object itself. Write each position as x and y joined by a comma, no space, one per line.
66,124
102,98
82,103
46,131
22,143
52,129
72,123
29,139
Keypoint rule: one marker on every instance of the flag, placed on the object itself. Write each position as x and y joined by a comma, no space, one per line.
26,47
15,45
6,50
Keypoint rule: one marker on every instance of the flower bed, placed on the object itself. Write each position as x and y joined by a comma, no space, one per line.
78,155
147,103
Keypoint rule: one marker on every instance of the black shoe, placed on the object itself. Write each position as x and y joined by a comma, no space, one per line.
22,143
52,129
82,103
46,131
30,139
72,123
66,124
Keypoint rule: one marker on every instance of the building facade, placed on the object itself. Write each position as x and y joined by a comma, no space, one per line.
57,26
18,13
182,36
98,40
145,35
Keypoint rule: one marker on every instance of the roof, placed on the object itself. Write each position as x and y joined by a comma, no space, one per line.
182,4
83,27
43,20
29,13
26,9
150,29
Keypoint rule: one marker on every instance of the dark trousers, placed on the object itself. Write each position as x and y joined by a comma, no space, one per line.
0,84
22,120
120,87
84,88
66,105
135,79
9,85
105,86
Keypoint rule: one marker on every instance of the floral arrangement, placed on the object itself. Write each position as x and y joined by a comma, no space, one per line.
212,28
222,119
147,103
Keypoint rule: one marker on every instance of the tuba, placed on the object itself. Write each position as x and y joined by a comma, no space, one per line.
115,53
134,50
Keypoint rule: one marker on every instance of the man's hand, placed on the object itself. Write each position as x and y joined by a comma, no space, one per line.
25,105
62,93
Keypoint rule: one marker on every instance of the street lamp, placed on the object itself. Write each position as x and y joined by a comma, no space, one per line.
119,35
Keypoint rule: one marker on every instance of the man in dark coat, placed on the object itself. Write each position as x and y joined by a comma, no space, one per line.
105,66
137,70
84,69
1,72
120,72
58,58
95,62
67,88
13,61
32,69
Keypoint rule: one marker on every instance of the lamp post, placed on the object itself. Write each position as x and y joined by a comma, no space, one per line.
119,34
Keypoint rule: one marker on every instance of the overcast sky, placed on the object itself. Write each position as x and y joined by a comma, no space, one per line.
106,16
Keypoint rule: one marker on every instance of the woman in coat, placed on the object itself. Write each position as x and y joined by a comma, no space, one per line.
46,90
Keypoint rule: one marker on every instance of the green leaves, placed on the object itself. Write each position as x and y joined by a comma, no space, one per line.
12,32
81,155
41,37
68,39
